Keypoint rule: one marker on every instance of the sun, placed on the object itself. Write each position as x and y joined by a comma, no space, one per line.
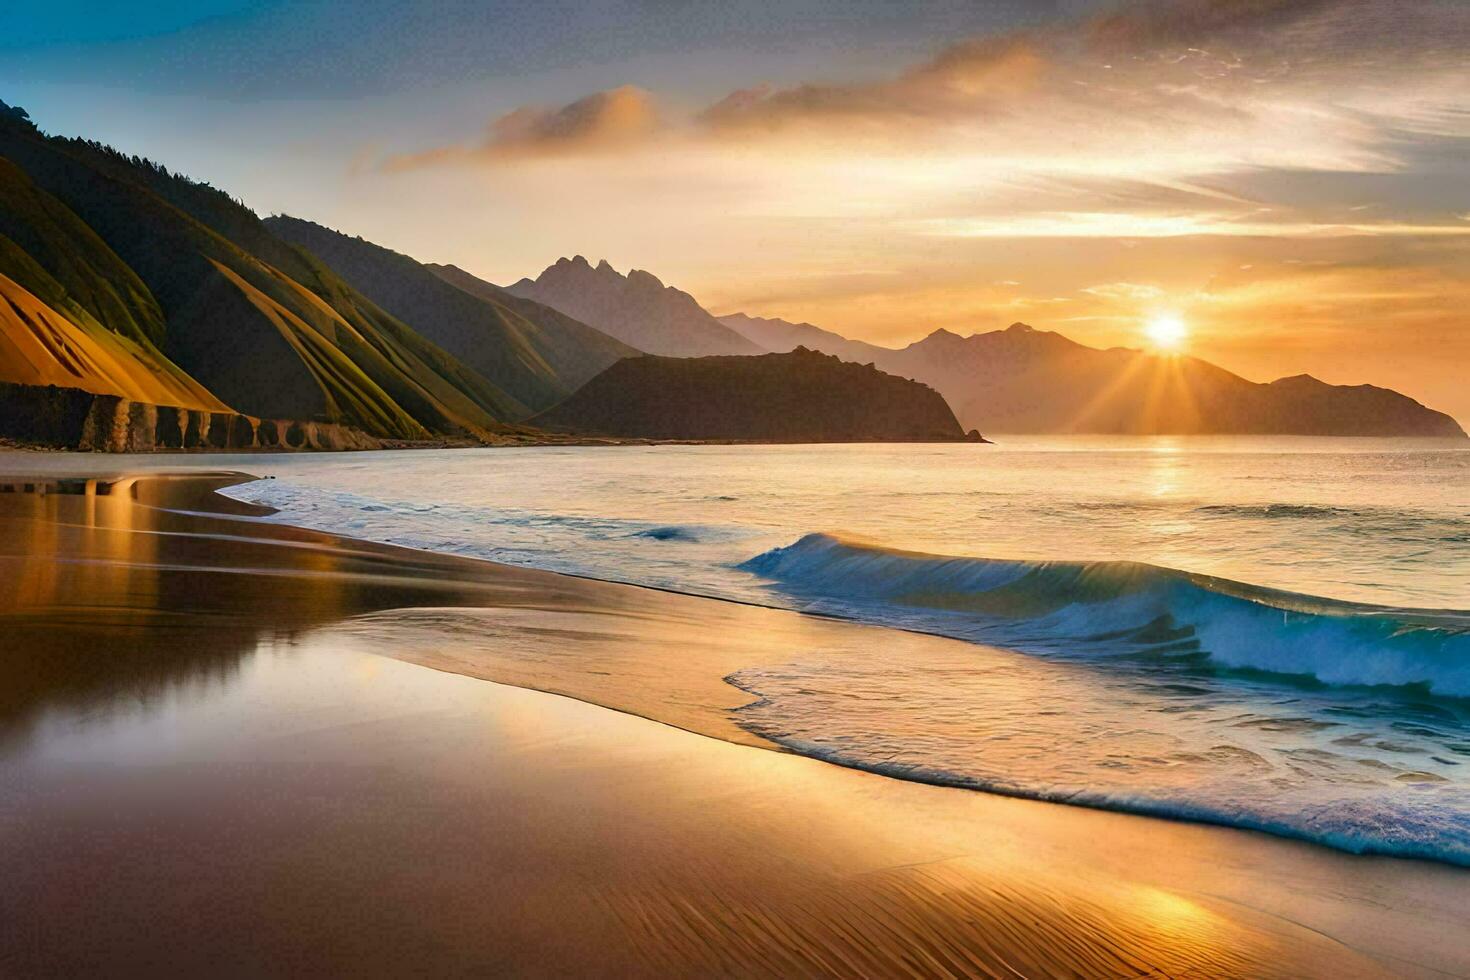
1167,331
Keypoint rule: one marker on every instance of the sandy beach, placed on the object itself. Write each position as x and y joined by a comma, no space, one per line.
241,747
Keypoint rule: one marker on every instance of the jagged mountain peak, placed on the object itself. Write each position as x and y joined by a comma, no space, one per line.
638,309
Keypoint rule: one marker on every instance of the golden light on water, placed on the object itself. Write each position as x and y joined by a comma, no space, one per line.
1167,331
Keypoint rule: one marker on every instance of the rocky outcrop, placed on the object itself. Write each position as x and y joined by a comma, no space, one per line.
802,396
68,418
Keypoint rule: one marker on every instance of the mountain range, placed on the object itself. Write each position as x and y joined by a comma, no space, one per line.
1023,380
122,280
1016,380
125,279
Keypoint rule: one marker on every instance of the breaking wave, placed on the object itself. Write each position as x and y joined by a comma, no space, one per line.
1128,609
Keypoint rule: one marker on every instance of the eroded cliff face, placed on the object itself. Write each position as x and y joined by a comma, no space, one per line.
67,418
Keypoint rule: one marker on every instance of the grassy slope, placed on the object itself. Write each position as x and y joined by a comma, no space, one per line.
96,323
40,345
580,352
83,277
367,369
373,326
534,353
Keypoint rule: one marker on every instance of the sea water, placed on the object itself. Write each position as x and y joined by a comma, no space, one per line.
1268,633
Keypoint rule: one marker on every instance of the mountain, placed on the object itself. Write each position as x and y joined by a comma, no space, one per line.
637,309
586,350
1026,380
1023,380
52,328
801,396
120,279
530,351
120,246
40,346
783,335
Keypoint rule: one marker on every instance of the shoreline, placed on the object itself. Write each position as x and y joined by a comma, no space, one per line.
612,645
570,680
537,440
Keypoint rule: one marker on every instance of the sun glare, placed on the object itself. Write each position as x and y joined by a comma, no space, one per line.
1167,331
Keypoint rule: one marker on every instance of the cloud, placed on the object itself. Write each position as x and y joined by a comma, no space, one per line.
1156,97
1130,291
1126,225
1155,23
964,79
609,120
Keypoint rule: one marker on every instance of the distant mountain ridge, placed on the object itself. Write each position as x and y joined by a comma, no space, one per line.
783,335
637,309
796,397
1022,380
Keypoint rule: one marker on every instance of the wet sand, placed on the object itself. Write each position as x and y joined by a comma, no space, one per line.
220,750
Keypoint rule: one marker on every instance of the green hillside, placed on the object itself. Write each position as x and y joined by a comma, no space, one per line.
55,255
538,355
582,351
265,326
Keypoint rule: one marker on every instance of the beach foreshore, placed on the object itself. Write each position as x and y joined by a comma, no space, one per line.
220,750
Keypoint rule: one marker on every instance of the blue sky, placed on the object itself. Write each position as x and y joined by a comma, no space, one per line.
270,49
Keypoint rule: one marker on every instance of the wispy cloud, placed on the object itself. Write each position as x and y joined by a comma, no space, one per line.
1249,82
603,121
1085,224
965,81
1124,290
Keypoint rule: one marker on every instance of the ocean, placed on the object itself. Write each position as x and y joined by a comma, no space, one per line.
1262,633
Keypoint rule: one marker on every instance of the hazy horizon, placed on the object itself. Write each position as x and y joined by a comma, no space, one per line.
1286,180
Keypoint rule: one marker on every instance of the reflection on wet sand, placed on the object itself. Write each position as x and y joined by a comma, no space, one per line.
204,767
102,597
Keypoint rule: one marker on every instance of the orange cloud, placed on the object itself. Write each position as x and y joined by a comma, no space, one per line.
602,121
962,80
1318,84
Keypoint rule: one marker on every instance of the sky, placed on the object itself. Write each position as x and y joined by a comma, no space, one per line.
1288,178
